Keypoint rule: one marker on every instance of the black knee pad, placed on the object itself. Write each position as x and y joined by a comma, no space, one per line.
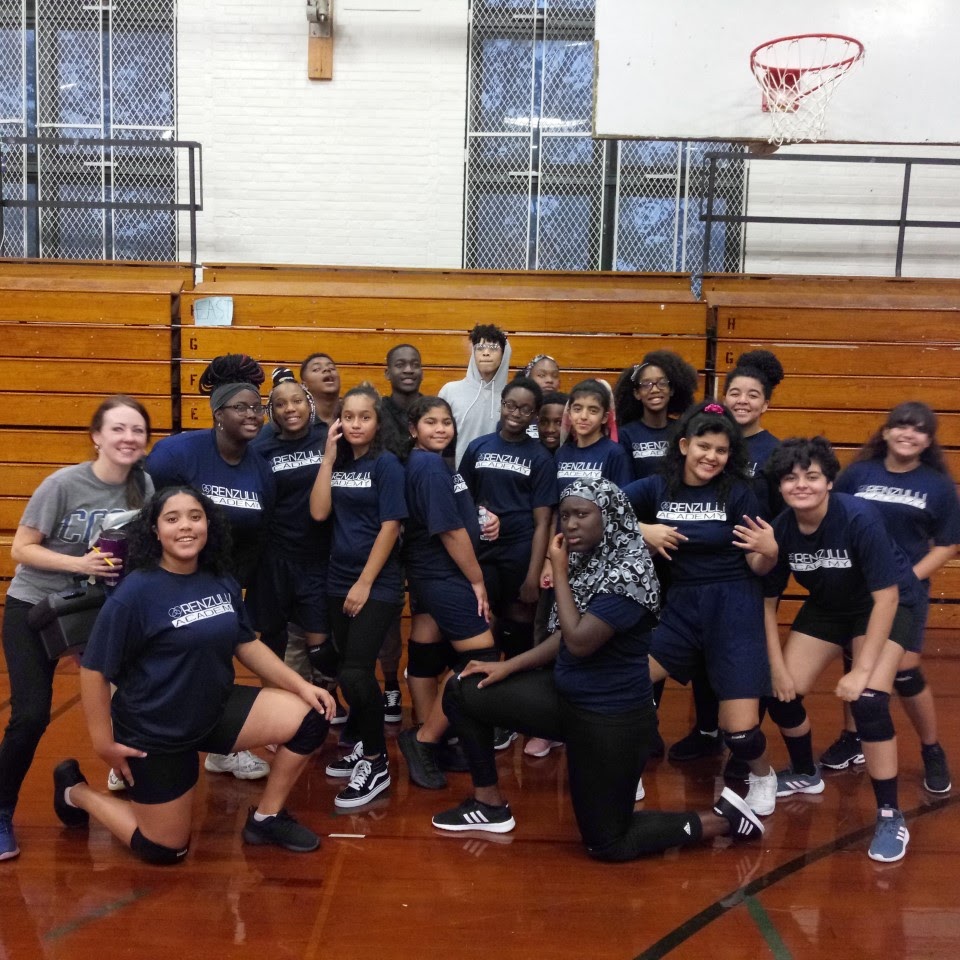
324,658
427,660
910,683
156,853
786,715
310,734
871,713
748,745
486,655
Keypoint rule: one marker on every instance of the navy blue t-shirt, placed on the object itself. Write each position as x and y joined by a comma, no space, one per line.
759,448
708,554
603,459
919,507
848,557
167,641
438,501
245,491
366,493
616,677
511,479
645,446
294,465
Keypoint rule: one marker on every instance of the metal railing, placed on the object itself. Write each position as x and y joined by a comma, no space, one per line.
902,223
95,165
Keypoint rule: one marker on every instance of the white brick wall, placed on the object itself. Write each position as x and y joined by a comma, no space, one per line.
366,168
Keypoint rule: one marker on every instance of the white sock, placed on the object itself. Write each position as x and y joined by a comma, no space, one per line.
66,798
260,817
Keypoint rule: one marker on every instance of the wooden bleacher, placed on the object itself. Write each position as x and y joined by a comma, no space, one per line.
73,332
606,320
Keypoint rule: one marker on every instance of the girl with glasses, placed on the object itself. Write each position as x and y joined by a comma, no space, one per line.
648,396
221,463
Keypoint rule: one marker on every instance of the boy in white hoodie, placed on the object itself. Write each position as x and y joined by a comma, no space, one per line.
475,400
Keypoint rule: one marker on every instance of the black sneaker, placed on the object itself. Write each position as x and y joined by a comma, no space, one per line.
421,760
697,743
474,815
392,706
67,774
282,831
936,773
340,717
744,823
370,778
344,766
452,757
502,738
843,751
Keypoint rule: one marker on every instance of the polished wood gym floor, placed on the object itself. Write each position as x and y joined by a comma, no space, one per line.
386,886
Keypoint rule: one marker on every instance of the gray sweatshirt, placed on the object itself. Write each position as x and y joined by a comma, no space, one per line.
475,404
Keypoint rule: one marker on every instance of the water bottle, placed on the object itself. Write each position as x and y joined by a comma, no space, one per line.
482,517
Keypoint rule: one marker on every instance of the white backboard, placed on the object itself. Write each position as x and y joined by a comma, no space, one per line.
679,69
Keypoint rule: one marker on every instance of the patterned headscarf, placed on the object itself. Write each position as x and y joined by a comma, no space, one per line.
620,564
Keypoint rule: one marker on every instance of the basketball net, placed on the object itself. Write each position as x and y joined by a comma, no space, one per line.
798,76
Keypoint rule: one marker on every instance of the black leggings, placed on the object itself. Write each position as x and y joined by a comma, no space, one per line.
358,640
605,756
31,694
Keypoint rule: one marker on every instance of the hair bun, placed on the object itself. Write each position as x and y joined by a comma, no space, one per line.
764,362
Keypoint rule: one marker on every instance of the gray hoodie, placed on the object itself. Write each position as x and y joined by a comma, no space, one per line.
475,404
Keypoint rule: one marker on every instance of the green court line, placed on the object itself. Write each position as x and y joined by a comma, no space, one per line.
97,913
762,919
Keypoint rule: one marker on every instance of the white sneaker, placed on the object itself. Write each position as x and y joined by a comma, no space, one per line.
762,793
115,783
641,793
243,765
540,747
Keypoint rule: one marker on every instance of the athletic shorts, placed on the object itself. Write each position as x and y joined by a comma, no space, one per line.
285,589
162,777
720,624
452,604
815,621
504,567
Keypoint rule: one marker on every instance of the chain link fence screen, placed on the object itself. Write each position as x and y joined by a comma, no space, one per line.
541,193
100,70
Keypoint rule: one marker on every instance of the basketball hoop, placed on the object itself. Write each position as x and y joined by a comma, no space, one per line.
798,76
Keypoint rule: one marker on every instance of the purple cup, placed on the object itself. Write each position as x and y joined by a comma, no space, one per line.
114,542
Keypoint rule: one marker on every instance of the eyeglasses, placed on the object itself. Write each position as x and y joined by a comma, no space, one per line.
242,409
512,407
645,386
486,345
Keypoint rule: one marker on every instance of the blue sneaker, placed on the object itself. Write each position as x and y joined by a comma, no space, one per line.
891,836
789,783
8,841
